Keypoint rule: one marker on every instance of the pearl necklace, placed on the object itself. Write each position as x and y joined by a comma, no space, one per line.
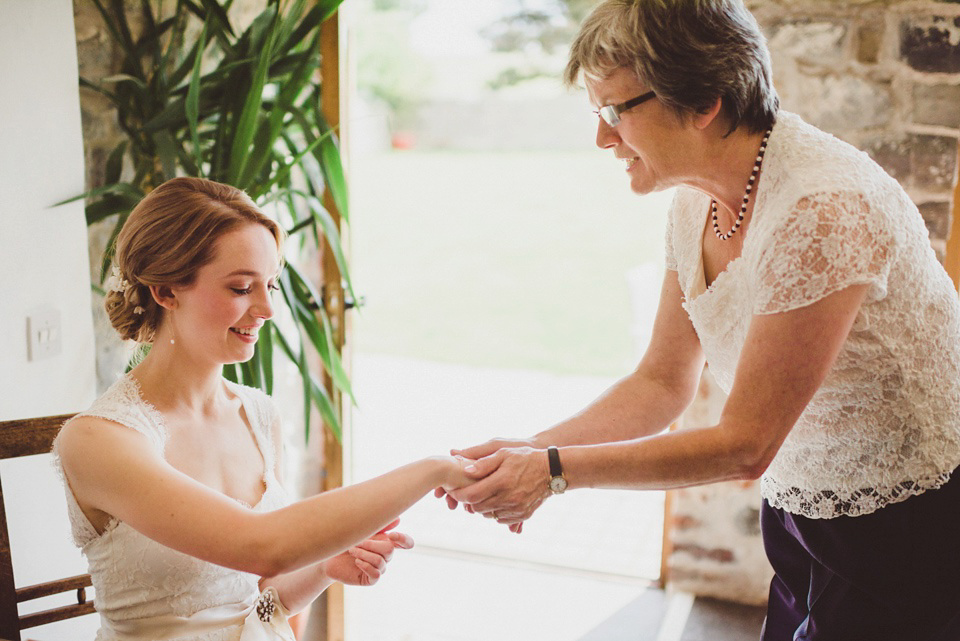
746,196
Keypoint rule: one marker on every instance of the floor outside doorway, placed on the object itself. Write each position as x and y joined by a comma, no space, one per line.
582,558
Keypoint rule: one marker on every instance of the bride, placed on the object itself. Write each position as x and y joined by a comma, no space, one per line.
173,475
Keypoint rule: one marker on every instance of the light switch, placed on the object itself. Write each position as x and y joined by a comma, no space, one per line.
43,334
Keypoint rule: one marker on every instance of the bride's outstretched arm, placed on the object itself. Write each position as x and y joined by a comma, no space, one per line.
114,470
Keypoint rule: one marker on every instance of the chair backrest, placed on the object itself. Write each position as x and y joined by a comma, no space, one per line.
26,437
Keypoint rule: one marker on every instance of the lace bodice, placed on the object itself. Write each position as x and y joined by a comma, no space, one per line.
145,590
885,424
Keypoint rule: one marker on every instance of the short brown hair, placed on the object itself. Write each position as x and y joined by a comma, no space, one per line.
690,52
170,235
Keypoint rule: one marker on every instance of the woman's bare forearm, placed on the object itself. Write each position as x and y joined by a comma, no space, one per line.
637,405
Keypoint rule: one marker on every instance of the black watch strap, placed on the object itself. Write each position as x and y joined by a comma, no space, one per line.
553,455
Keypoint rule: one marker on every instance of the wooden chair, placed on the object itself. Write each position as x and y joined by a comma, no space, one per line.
24,438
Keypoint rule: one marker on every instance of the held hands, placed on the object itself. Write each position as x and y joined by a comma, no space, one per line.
366,562
510,481
477,452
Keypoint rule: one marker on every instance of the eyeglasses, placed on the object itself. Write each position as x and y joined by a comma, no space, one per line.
611,113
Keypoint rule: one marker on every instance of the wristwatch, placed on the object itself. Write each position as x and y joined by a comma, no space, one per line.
558,484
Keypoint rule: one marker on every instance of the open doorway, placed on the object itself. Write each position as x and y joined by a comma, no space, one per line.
510,276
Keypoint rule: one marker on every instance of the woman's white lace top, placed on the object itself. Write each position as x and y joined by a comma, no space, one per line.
142,586
885,424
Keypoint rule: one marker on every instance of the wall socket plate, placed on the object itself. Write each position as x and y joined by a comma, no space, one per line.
43,334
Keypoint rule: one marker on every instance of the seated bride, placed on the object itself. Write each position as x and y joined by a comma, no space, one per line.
173,475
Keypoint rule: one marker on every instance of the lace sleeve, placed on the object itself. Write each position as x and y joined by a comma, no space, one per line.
271,418
826,243
274,427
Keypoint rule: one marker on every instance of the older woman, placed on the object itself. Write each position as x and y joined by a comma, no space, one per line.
803,275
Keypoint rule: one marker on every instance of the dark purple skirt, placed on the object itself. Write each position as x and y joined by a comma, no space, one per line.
892,575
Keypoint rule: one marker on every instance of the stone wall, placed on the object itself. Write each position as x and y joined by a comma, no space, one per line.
884,76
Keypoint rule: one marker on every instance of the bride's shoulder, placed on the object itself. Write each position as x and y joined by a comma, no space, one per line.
94,436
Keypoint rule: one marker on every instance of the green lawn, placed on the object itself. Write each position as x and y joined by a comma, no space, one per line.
505,259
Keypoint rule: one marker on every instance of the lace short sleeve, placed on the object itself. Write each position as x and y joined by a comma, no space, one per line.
826,243
272,417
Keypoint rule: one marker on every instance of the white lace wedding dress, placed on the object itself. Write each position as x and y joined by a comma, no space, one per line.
147,591
885,424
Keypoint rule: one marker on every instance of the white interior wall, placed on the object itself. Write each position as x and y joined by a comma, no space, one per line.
44,266
43,248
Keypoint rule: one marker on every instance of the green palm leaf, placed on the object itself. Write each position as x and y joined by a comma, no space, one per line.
192,103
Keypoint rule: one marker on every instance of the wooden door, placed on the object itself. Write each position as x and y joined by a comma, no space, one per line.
952,262
327,620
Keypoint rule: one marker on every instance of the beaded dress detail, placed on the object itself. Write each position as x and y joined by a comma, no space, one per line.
145,590
885,424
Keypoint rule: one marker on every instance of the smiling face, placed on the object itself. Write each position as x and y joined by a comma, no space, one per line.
217,317
649,136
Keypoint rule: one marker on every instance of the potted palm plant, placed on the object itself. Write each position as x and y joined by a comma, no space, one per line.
197,96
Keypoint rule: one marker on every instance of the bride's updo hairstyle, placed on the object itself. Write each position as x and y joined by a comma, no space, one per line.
168,237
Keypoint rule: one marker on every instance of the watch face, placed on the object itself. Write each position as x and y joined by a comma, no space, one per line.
558,484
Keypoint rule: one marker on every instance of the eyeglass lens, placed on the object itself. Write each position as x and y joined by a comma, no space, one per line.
611,113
